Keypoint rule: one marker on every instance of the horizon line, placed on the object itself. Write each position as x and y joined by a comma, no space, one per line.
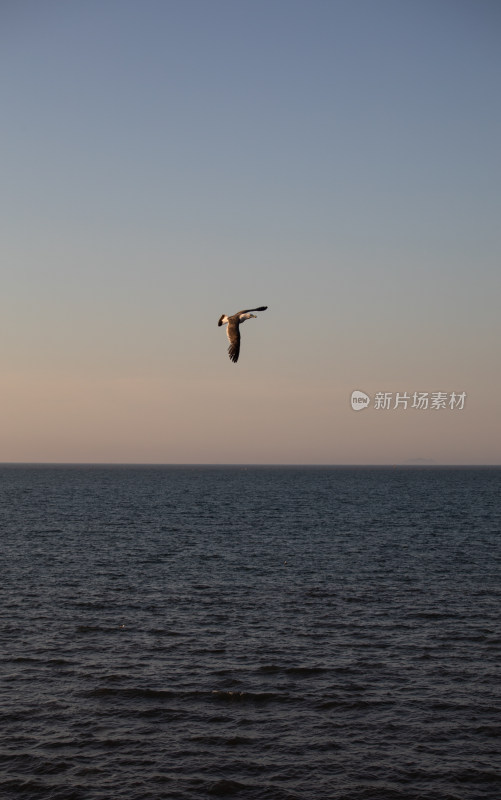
410,463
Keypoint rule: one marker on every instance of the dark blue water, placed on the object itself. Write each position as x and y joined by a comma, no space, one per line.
264,633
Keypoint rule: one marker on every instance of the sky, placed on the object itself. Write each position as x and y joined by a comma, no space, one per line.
168,161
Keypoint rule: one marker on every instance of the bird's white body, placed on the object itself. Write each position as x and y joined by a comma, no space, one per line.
241,318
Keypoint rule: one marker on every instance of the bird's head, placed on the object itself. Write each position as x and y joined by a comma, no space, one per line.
252,316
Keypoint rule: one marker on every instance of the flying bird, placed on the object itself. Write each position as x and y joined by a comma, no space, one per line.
233,329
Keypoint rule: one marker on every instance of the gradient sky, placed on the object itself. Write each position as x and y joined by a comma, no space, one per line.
164,162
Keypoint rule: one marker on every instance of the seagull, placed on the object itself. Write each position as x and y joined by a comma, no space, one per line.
233,331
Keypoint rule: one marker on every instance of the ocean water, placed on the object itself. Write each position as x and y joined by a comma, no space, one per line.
259,633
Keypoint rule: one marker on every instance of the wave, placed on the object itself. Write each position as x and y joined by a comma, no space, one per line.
301,671
133,693
227,696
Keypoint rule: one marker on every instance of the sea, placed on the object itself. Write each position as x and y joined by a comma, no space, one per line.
263,633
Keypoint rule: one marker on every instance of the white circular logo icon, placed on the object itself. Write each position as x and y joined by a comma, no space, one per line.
359,400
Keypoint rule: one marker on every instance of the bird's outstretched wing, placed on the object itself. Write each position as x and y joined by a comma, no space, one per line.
233,331
246,310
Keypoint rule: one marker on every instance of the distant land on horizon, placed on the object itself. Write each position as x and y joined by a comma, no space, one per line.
421,461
